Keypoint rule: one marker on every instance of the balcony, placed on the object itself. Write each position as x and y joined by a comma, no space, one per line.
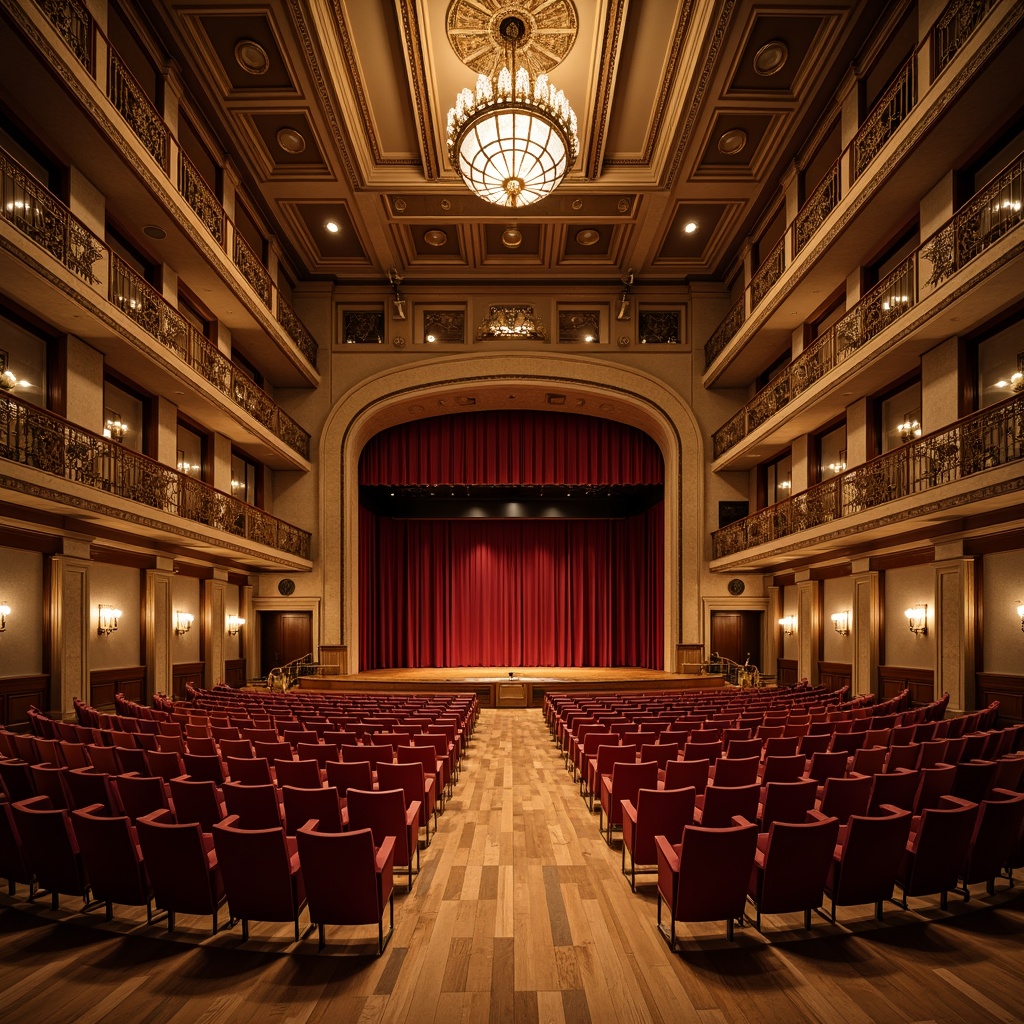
896,145
38,214
982,222
73,22
39,440
942,473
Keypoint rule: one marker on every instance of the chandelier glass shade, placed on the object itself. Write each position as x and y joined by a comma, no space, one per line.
514,138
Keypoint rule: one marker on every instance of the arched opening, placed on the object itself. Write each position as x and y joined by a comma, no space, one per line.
509,381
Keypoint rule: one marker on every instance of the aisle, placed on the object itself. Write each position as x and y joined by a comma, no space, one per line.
520,915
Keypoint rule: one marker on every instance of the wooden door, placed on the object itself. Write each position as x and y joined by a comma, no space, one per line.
284,636
737,635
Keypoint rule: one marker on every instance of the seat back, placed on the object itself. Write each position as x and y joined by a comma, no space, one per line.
112,860
935,783
319,752
165,763
659,812
408,776
843,798
795,866
698,750
302,805
714,869
742,748
827,766
140,794
903,755
344,775
869,760
304,774
250,771
997,832
49,846
723,803
780,746
937,851
626,781
86,786
683,774
384,812
897,788
787,802
372,752
736,771
51,780
196,802
815,744
254,807
974,780
783,768
204,767
340,872
661,753
273,750
865,869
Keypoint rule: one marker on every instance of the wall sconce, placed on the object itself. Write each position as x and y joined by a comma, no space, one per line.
1020,612
918,618
5,610
841,623
397,303
107,622
235,622
910,428
115,428
627,283
788,624
182,622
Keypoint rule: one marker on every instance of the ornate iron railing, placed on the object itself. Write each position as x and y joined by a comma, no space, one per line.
296,330
158,318
252,269
37,213
992,437
978,224
724,333
886,116
817,206
955,26
135,107
71,18
768,273
35,438
879,307
198,194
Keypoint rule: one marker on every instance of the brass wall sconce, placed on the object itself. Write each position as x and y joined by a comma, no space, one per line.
235,623
788,624
5,610
841,623
183,622
918,619
107,620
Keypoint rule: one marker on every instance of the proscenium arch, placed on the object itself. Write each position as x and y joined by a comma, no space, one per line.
500,380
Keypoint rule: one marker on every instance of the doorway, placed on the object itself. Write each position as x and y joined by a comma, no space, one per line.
737,635
284,636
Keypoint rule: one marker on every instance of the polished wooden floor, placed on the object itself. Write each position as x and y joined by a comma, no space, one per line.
520,914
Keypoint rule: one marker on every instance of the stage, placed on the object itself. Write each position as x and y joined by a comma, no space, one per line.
505,687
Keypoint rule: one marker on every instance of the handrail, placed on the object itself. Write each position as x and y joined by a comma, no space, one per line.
33,437
954,27
989,438
977,225
885,116
768,272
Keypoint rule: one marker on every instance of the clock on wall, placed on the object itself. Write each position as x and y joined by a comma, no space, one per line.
286,588
736,587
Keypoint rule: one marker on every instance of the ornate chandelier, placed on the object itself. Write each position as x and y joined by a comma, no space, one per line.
513,140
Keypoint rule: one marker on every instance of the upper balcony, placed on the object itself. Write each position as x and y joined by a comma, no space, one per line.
102,300
49,465
979,247
951,93
937,482
73,70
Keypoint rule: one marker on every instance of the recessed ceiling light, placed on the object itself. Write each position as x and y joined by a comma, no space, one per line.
251,57
690,226
291,141
771,58
154,231
332,226
588,236
511,238
435,237
732,142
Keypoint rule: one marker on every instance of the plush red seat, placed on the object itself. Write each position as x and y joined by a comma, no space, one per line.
113,859
623,783
655,812
936,850
385,812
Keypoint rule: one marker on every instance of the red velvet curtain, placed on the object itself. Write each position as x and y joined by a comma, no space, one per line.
437,593
511,448
524,592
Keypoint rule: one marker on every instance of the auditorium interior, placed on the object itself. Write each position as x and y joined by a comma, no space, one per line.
703,386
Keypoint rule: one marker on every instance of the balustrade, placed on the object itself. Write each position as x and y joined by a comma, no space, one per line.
724,333
252,269
204,202
136,108
818,205
954,27
885,117
71,18
768,273
32,437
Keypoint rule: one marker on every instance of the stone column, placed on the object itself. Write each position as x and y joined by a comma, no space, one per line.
864,629
214,601
954,628
159,625
69,624
808,627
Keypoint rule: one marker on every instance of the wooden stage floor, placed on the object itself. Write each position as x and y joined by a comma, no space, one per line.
506,686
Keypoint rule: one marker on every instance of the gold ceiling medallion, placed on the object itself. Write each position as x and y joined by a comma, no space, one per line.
771,58
475,34
513,138
251,57
732,142
291,141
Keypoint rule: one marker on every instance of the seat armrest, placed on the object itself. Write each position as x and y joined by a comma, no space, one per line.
384,853
667,853
628,810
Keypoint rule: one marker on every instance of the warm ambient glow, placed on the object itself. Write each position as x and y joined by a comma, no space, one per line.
841,622
918,618
788,624
690,227
235,622
183,622
115,429
513,139
1020,612
332,227
5,610
107,620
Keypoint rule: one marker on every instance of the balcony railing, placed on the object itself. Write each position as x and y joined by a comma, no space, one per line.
818,205
955,26
135,107
40,215
768,272
157,317
200,197
35,438
979,224
992,437
252,269
289,320
724,333
71,18
885,117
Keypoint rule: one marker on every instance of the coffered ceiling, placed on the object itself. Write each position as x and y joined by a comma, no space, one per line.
690,111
